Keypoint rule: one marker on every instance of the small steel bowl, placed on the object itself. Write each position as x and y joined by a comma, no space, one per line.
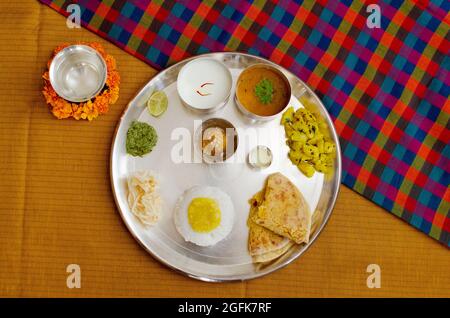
217,80
248,113
231,137
78,73
253,157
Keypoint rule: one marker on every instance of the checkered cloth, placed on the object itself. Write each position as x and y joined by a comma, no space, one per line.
386,88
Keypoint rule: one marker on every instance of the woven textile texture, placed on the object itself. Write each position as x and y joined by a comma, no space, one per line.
386,88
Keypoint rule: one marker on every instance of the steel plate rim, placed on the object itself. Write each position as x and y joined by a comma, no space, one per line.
327,214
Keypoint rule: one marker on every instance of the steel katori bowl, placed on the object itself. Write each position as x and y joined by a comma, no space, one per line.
251,115
204,85
231,140
78,73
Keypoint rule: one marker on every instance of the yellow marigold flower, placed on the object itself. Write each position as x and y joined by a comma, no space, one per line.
89,111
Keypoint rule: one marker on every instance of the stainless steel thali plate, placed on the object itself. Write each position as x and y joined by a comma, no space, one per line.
229,259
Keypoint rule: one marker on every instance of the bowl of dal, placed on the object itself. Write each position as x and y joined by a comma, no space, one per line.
262,92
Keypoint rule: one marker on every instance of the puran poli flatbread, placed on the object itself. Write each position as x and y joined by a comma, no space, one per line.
284,210
263,244
269,256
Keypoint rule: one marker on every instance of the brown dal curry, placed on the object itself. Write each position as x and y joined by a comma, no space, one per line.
246,91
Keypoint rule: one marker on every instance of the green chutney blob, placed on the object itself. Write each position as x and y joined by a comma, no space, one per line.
141,138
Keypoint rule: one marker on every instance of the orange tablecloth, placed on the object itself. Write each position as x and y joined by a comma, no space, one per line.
56,206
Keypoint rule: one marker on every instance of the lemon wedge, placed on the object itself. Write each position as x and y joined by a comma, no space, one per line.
157,103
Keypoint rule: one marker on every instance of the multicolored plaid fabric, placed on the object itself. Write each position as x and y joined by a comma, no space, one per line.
386,88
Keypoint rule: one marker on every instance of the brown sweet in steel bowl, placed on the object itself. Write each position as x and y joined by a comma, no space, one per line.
279,92
217,139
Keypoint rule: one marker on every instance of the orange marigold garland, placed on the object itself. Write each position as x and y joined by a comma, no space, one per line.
90,109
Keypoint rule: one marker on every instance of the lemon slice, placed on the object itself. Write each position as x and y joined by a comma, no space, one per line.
157,103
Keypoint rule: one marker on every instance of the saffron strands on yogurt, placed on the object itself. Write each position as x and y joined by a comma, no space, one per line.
203,85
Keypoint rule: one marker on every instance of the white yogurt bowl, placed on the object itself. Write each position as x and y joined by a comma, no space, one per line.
204,85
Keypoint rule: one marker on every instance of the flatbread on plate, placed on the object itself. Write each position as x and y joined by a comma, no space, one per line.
283,210
269,256
263,244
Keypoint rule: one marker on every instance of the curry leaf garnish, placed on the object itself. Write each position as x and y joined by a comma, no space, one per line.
264,91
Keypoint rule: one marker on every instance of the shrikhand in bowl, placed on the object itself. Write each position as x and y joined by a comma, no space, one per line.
204,85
